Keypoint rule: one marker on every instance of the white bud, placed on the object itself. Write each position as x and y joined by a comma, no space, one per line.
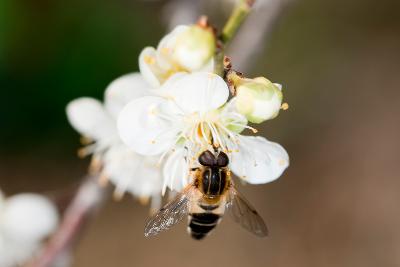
258,99
194,47
28,217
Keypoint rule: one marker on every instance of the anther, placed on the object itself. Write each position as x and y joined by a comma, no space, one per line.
82,152
85,140
149,60
165,50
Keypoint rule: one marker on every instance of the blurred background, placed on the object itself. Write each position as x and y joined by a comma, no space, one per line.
338,61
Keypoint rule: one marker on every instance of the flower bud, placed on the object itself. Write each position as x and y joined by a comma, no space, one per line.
258,99
194,47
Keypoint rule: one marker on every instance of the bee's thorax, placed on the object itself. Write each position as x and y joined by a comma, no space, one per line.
213,181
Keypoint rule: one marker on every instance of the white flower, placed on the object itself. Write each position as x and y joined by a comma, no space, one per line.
185,49
25,220
126,169
258,99
192,114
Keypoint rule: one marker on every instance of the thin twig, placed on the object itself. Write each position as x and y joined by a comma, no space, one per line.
239,13
237,17
89,197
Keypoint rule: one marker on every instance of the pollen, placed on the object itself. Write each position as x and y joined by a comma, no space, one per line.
170,97
153,111
211,75
149,60
282,162
199,132
165,50
285,106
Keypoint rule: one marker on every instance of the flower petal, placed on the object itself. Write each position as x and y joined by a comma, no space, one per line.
148,66
197,92
231,118
124,89
129,171
141,128
176,171
258,160
166,47
16,252
89,117
148,180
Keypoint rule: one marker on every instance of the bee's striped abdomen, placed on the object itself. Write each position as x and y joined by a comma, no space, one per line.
200,224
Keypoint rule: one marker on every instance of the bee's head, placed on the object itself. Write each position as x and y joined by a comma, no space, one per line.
207,158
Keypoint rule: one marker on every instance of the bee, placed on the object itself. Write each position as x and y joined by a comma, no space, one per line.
205,201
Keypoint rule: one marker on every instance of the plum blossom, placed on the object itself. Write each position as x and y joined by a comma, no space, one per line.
25,221
189,114
128,171
185,49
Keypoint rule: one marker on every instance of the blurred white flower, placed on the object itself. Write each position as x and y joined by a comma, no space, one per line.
25,221
96,121
191,114
185,49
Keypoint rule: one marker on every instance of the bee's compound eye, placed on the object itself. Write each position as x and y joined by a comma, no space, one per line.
222,160
207,158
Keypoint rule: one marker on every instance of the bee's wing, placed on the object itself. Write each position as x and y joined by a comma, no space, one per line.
243,213
170,214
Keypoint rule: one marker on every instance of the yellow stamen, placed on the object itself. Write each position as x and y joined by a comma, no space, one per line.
165,50
199,131
149,60
285,106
